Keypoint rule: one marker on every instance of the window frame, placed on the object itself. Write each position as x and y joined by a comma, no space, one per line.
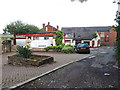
102,34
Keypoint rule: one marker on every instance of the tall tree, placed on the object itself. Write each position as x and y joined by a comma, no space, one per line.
21,28
59,37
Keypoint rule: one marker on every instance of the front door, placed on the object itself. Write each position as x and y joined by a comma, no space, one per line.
92,43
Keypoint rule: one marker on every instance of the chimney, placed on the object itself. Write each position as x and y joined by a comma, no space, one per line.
57,27
44,27
48,23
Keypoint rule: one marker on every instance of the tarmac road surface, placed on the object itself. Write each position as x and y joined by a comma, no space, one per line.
97,71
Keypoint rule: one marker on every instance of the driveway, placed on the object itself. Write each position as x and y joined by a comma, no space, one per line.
97,71
12,75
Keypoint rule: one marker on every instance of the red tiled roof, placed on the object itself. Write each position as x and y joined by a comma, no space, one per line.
37,34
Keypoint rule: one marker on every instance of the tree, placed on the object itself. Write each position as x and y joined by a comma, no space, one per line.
95,35
59,37
118,42
80,1
21,28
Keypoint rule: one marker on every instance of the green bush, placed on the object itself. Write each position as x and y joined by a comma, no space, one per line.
68,49
56,48
48,48
68,46
117,51
59,37
23,52
59,48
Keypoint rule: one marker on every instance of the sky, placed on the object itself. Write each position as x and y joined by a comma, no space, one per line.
58,12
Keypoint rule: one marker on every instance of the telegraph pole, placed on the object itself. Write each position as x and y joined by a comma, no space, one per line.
15,36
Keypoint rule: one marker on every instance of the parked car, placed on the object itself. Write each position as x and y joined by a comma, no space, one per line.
82,48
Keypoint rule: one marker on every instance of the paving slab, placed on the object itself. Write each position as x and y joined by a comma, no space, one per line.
12,75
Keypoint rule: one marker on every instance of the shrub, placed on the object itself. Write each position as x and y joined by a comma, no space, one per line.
56,48
6,42
68,46
59,37
59,48
23,52
68,49
95,35
48,48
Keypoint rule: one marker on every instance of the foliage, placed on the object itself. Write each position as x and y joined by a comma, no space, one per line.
41,30
23,52
54,32
59,37
118,42
21,28
27,44
61,48
68,45
6,42
48,48
95,35
68,49
56,48
12,37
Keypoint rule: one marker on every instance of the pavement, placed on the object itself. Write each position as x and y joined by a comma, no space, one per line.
13,75
100,70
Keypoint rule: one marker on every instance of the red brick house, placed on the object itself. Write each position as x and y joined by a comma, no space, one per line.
108,37
49,28
74,35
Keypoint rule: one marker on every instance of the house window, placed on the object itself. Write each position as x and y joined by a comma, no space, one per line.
46,38
36,38
68,35
46,28
102,40
102,34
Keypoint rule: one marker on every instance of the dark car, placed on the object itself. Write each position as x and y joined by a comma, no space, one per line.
82,48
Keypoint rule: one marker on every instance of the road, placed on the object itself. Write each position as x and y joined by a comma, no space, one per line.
97,71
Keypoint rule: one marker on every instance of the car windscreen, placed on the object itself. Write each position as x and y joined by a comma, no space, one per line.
82,45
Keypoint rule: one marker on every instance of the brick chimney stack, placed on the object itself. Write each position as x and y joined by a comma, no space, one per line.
48,23
44,27
57,27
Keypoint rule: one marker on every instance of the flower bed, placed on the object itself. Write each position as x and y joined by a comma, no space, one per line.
34,60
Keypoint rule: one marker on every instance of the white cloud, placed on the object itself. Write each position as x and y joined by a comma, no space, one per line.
59,12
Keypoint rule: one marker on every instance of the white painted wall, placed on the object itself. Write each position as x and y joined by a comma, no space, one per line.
54,42
20,42
41,38
90,43
96,40
31,38
51,39
40,43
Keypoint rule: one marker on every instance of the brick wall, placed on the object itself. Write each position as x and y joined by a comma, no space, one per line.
109,37
49,28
